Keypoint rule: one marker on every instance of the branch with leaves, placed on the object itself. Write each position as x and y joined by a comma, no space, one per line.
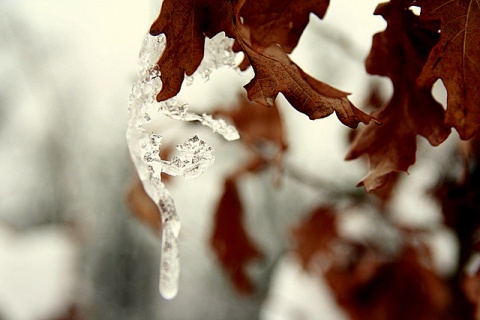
414,51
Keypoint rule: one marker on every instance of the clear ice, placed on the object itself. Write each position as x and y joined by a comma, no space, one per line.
144,145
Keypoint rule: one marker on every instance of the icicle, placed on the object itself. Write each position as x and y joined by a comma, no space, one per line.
144,145
170,264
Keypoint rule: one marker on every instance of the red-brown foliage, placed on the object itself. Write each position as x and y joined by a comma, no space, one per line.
414,51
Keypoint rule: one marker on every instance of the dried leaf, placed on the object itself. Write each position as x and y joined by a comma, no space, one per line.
229,240
280,22
275,73
456,60
185,25
412,111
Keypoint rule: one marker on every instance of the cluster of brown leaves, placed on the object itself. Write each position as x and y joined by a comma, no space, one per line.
370,283
265,33
412,52
399,53
442,43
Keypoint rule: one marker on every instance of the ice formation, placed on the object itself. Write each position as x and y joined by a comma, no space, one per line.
144,143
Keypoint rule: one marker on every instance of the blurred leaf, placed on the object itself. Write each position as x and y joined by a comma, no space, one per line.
229,240
411,111
313,237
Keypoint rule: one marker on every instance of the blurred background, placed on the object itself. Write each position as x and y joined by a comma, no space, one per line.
70,247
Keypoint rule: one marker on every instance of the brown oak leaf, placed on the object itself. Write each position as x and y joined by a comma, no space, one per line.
229,240
456,60
399,53
186,24
280,22
275,73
